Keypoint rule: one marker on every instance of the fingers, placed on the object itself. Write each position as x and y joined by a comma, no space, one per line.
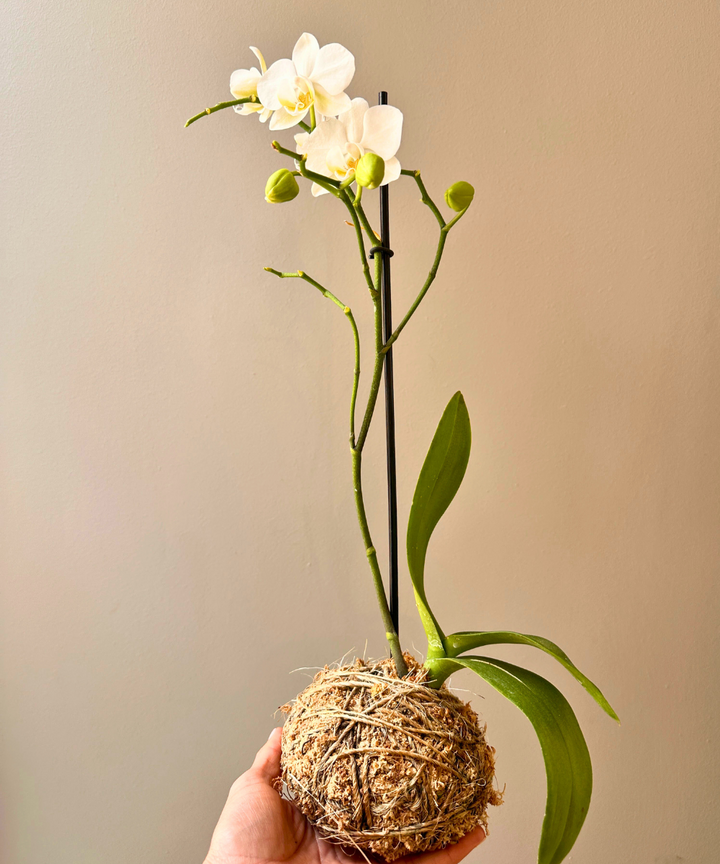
452,854
267,761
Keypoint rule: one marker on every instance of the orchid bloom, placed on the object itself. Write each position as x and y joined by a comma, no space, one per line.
315,79
243,85
336,145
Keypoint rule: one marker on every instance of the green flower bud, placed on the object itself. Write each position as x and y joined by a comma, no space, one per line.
370,170
281,187
459,196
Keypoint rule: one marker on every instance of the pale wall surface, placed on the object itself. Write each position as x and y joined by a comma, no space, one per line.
177,521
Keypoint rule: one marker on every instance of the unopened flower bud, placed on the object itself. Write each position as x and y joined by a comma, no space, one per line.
281,187
459,196
370,170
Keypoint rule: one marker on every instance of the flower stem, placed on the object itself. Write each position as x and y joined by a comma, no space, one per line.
276,145
345,198
425,198
444,231
356,448
423,291
373,236
327,183
219,107
379,359
300,274
390,632
361,223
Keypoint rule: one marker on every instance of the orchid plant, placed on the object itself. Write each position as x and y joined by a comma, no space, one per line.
343,143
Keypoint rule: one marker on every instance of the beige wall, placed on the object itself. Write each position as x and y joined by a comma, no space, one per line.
177,521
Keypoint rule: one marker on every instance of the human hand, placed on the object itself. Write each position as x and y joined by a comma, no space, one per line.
257,825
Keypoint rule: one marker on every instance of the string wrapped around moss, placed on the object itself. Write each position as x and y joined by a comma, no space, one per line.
386,765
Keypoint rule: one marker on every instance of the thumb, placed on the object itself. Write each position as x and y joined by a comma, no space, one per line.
452,854
267,761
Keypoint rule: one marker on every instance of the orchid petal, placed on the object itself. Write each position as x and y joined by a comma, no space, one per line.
287,94
352,119
318,190
329,105
382,130
334,68
325,135
301,142
260,58
336,162
305,54
392,170
317,162
282,119
270,82
243,83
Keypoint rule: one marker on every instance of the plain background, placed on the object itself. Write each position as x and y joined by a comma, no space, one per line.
177,521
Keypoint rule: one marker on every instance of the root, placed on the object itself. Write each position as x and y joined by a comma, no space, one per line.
385,765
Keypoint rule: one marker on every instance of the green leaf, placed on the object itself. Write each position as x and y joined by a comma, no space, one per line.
458,643
440,478
567,761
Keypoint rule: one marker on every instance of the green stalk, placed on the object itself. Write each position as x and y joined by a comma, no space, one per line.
219,107
425,198
327,183
445,228
423,291
360,223
356,375
356,451
374,287
379,359
356,446
390,632
372,236
300,274
345,198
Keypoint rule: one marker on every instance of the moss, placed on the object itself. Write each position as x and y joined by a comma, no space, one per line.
386,765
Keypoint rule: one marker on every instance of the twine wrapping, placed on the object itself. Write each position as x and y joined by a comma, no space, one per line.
386,765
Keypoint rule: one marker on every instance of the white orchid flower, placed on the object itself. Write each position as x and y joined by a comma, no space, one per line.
243,85
315,78
336,145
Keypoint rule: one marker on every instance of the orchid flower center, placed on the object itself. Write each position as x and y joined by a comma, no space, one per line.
296,96
342,162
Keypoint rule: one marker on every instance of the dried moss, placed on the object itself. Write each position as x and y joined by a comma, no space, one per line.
386,765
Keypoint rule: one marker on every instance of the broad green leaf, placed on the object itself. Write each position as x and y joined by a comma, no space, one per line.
567,761
458,643
440,478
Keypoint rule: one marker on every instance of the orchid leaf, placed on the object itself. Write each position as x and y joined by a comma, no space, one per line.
567,761
458,643
439,480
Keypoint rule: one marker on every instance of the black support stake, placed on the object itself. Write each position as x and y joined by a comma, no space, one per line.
389,397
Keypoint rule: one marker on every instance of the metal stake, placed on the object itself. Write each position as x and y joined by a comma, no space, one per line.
389,397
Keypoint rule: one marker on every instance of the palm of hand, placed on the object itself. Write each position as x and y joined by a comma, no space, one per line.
257,825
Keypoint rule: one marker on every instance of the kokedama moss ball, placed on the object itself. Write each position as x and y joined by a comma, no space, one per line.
386,765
